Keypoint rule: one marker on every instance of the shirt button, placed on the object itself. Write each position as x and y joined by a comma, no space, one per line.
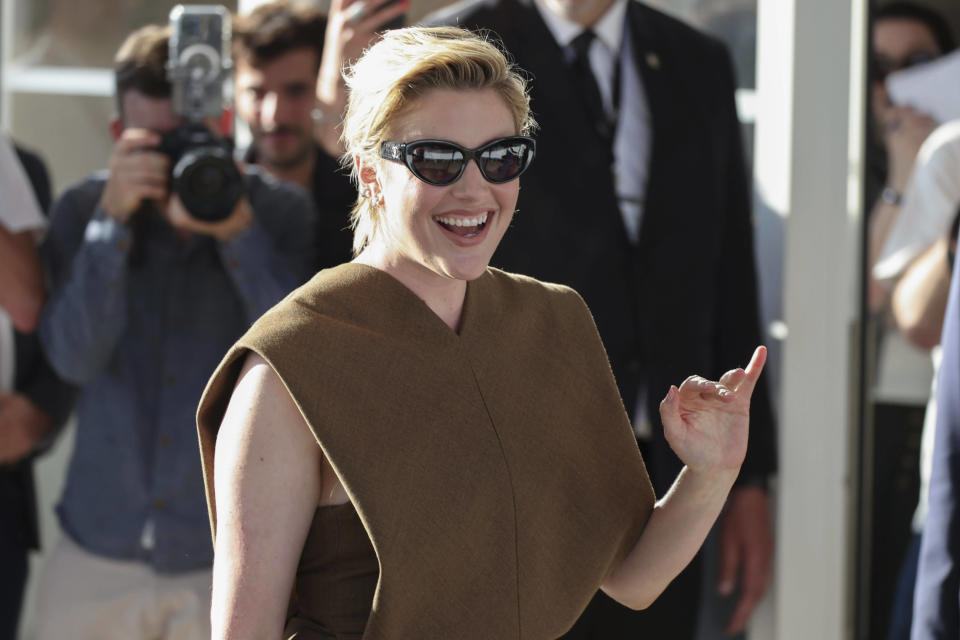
159,504
169,380
234,263
633,366
164,441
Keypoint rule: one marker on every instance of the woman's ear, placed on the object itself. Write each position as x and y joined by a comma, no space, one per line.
369,180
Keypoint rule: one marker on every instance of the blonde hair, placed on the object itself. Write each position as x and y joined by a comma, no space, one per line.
404,65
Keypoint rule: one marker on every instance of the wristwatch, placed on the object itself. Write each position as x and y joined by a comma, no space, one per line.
891,196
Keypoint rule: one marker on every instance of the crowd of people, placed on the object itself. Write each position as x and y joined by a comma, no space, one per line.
406,433
912,237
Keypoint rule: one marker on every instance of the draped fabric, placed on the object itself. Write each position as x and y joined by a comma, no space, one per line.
494,470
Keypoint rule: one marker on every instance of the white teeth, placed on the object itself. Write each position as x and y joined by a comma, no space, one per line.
464,222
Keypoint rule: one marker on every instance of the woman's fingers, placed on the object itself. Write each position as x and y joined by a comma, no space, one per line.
754,369
733,384
732,379
696,387
670,408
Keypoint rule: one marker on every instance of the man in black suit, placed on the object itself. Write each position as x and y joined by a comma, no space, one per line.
38,402
639,199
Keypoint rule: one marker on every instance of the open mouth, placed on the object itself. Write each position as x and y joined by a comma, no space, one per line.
465,227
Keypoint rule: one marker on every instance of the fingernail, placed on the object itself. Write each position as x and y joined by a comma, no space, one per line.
671,394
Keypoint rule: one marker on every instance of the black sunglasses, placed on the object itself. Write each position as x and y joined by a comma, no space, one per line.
439,162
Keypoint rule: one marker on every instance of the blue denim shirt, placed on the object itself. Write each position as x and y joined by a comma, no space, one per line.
142,339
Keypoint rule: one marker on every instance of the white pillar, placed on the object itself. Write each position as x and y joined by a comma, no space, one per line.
808,159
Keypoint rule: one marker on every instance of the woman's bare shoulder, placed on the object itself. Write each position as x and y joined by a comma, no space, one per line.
262,409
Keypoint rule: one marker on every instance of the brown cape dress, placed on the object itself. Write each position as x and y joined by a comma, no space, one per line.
494,471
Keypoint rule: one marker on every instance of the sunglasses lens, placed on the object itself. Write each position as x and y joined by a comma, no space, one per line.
436,163
505,160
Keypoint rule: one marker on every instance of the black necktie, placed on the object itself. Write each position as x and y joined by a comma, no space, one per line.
587,84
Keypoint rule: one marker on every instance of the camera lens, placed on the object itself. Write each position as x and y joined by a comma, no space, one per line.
206,180
208,183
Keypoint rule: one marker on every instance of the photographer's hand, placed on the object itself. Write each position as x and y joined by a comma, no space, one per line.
137,172
224,230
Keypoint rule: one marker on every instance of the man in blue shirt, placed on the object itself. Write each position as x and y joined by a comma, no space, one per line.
146,299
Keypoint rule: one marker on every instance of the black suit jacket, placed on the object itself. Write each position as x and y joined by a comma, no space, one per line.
36,379
684,300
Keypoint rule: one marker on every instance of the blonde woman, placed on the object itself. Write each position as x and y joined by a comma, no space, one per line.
416,445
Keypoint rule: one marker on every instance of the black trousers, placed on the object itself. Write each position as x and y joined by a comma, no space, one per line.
672,617
16,537
13,579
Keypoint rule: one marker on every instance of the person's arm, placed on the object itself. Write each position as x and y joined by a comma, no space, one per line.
919,298
33,416
904,133
22,425
264,450
26,196
86,313
30,417
707,426
87,251
265,262
351,27
879,223
21,279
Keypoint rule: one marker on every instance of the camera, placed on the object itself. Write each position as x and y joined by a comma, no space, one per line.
204,174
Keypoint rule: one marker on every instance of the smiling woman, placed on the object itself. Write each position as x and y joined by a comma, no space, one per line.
416,445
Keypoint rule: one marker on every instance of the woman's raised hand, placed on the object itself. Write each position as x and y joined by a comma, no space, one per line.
707,423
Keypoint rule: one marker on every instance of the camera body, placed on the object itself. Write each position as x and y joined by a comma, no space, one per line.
204,174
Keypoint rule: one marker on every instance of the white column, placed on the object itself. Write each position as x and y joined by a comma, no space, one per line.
808,159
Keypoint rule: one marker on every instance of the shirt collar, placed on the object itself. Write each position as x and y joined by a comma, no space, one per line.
609,28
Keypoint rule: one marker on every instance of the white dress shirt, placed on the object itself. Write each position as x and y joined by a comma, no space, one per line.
634,134
632,140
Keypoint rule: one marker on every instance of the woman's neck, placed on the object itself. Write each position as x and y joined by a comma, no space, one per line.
443,295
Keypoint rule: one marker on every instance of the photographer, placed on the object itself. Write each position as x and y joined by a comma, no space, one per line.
146,299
